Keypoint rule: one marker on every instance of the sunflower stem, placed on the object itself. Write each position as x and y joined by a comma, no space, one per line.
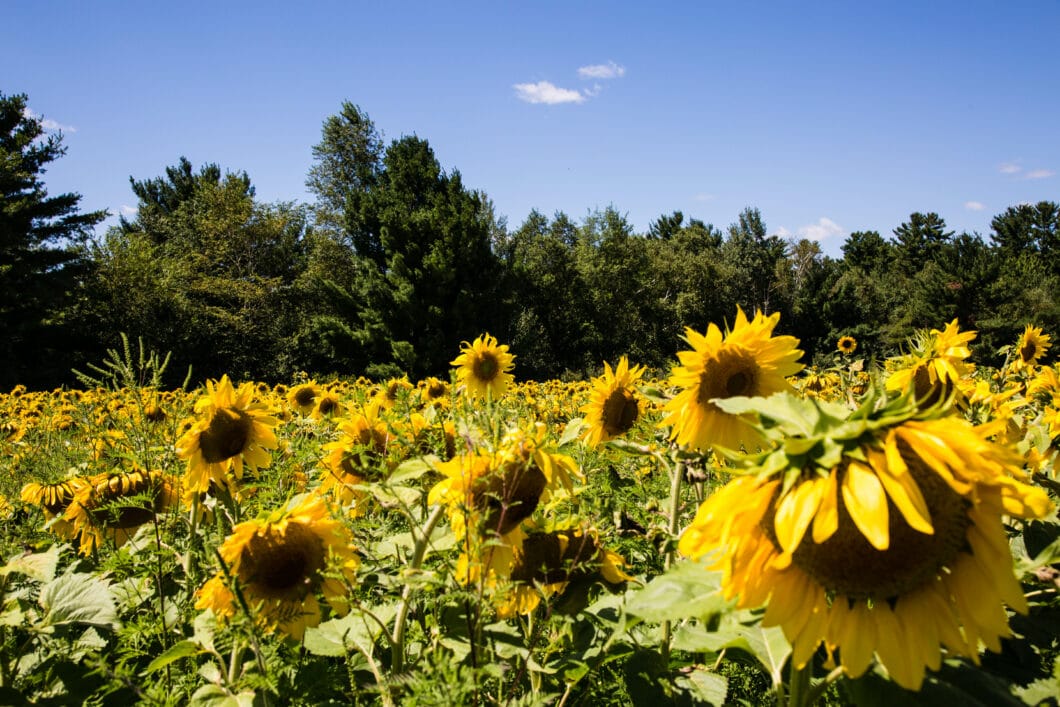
194,516
419,551
799,692
677,472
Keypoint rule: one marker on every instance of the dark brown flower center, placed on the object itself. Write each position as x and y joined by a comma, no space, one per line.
1028,351
486,367
734,372
847,564
226,436
327,406
620,412
546,559
510,497
278,566
304,397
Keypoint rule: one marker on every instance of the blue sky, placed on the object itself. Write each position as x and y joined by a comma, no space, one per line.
829,117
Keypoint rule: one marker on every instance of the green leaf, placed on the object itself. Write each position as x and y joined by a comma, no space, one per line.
355,631
954,684
770,647
217,696
412,469
704,686
687,590
572,431
183,649
39,566
78,598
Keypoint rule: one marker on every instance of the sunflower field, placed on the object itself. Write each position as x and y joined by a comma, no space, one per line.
739,529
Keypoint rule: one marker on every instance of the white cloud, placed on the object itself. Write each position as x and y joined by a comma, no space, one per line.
47,123
823,229
974,205
610,70
702,196
127,210
1009,168
545,92
783,233
1039,174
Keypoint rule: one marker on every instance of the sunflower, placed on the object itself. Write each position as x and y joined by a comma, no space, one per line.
230,432
328,405
364,452
847,345
112,506
303,397
748,361
392,391
936,366
280,562
873,532
482,367
614,405
1030,347
560,563
433,390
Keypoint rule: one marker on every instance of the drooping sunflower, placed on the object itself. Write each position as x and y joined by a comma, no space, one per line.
562,563
877,532
231,432
482,367
847,345
112,506
614,405
1030,347
747,361
281,561
936,366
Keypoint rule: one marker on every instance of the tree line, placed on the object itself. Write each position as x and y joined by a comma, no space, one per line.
397,262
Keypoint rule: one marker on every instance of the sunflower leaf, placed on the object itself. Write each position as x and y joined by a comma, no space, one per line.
182,649
572,431
39,566
412,469
78,598
686,590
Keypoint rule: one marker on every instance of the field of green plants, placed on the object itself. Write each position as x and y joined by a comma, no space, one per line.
736,530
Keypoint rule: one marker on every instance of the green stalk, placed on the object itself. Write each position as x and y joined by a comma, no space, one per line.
677,472
799,692
419,551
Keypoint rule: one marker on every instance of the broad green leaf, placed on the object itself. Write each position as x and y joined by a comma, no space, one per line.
39,566
412,469
183,649
695,638
573,430
770,647
704,686
216,696
963,685
687,590
205,627
78,598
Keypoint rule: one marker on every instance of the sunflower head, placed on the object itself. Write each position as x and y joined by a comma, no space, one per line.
614,404
303,397
112,506
847,345
482,367
747,361
1030,347
280,563
877,532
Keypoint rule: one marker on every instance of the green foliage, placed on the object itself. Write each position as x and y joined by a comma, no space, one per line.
42,254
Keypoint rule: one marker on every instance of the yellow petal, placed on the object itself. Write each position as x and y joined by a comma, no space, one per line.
826,522
795,512
867,504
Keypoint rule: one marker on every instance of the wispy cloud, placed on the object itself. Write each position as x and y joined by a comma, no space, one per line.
974,205
47,123
546,92
1039,174
824,228
703,196
1009,168
127,210
610,70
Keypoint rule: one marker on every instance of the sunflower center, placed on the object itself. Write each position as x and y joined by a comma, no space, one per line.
226,436
277,565
549,558
620,412
486,367
327,406
847,564
304,397
510,498
927,391
732,373
1027,352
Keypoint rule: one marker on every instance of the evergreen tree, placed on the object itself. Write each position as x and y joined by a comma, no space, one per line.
42,254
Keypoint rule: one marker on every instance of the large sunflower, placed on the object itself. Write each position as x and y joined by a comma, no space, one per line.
231,431
878,532
364,452
482,367
614,405
747,361
280,562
